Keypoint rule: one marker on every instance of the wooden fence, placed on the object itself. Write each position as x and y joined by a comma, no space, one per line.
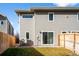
6,41
69,41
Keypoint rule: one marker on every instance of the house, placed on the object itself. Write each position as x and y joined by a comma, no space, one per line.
42,25
5,25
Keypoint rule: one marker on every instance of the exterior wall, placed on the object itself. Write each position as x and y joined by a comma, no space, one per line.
3,27
62,22
10,29
26,25
6,27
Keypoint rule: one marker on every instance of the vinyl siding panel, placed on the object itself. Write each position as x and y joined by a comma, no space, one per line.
61,22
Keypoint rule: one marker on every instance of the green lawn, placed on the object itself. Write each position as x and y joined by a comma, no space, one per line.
37,52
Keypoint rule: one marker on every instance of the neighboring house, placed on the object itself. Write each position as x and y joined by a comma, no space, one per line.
42,25
5,25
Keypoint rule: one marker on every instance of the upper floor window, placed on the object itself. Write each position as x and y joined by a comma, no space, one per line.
27,15
1,22
78,16
50,16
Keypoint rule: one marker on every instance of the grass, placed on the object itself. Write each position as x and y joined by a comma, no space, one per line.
37,52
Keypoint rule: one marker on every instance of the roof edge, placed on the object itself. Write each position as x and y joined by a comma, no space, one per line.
32,10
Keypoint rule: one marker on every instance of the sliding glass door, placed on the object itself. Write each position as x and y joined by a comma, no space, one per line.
47,37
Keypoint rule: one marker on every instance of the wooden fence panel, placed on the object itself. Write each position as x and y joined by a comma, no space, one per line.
61,40
70,41
77,44
6,41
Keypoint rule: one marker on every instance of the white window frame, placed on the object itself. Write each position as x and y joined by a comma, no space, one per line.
0,22
53,16
42,38
78,16
27,14
28,36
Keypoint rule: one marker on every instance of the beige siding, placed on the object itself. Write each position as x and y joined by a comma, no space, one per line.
26,25
61,23
40,23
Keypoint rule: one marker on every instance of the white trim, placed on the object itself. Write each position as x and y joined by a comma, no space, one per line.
48,16
27,14
19,27
77,16
42,37
34,18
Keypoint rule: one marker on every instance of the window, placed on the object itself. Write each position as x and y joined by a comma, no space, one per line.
44,37
51,17
47,37
27,35
27,16
1,22
78,16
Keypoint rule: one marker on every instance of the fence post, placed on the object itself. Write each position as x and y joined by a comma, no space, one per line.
59,40
74,42
64,40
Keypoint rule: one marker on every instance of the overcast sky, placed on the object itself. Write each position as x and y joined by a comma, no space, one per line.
8,9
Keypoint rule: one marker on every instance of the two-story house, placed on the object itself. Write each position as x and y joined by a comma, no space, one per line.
5,25
42,25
